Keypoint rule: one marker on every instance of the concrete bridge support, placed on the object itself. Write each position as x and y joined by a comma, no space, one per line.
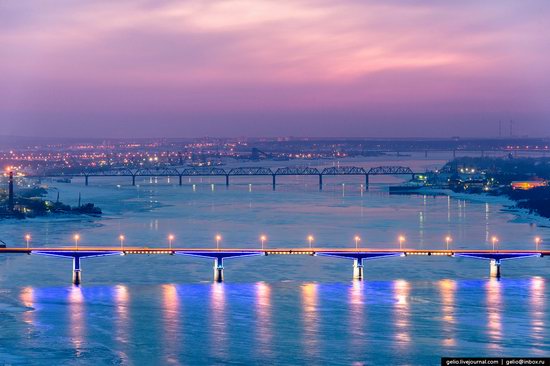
86,180
180,180
274,181
358,268
133,180
495,268
227,180
320,182
366,181
218,269
77,273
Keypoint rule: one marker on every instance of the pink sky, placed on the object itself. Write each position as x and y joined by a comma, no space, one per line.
267,68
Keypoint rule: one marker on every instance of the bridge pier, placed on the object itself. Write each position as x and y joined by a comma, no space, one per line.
359,259
86,180
76,256
133,180
495,268
77,273
218,269
218,256
366,181
274,181
320,182
227,180
181,180
358,268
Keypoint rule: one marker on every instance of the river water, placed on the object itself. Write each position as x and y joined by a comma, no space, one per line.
296,310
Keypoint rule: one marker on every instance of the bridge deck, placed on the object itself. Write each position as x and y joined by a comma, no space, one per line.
270,251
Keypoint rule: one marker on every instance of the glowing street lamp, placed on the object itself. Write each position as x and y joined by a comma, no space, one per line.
218,239
121,238
401,241
76,238
448,240
310,239
263,238
170,240
538,240
357,240
28,239
494,240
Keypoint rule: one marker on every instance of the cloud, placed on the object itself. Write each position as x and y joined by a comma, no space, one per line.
244,56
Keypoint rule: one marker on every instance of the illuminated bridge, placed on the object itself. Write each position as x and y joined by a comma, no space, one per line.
235,172
359,256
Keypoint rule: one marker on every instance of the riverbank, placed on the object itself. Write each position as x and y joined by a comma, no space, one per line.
509,205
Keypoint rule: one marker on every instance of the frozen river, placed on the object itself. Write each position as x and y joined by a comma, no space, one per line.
166,310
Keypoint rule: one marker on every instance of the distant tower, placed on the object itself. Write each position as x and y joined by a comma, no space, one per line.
10,193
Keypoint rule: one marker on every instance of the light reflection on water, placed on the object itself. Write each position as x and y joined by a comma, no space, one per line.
401,312
494,317
219,321
399,320
264,331
537,311
76,313
171,315
447,289
310,320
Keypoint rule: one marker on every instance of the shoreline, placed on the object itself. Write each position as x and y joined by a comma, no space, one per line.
508,205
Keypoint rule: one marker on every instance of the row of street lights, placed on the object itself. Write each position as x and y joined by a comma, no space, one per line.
310,239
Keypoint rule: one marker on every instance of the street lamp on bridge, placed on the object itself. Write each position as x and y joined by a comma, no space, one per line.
263,238
310,239
538,240
448,240
121,238
76,238
401,241
357,240
170,240
28,239
218,239
494,240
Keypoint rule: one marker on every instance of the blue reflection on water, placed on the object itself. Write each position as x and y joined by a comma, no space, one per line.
409,322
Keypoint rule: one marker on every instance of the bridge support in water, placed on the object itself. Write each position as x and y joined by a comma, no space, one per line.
366,181
496,258
359,258
494,268
218,269
218,257
76,256
320,182
86,180
274,180
133,180
227,180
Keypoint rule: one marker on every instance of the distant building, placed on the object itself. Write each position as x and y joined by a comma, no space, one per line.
529,184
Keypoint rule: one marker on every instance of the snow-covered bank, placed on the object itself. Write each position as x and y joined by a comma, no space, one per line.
508,205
